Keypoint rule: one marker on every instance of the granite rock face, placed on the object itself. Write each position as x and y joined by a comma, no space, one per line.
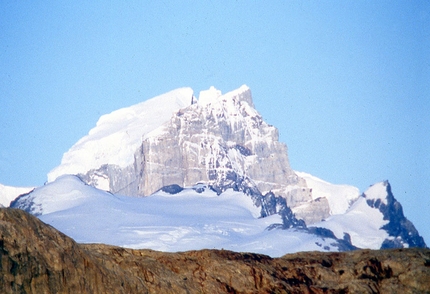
35,258
176,139
217,143
224,142
221,141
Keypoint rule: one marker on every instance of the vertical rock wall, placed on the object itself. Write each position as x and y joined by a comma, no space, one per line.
220,140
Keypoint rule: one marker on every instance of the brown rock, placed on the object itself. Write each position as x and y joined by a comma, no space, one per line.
36,258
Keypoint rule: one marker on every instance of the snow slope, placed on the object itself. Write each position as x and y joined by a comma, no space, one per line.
340,197
192,220
118,135
362,222
184,221
8,193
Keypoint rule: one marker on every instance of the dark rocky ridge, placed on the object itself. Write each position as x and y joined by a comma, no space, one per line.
36,258
398,226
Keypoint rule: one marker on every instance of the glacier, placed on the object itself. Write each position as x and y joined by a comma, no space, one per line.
168,222
197,217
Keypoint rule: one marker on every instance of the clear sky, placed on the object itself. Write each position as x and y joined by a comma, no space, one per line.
347,83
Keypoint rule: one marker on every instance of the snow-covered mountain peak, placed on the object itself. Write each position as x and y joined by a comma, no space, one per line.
221,141
339,197
131,125
8,193
385,225
118,135
66,192
216,176
209,96
377,192
212,95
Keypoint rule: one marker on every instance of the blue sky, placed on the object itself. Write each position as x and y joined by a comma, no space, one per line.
345,82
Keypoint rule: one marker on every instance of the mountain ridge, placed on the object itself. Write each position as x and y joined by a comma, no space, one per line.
218,152
177,220
126,125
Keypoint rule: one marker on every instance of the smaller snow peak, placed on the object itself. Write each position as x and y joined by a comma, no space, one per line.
179,98
66,192
125,125
184,96
243,93
339,197
378,191
209,96
9,193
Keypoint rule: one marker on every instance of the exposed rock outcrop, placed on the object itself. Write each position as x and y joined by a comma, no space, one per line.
35,258
221,141
217,142
400,230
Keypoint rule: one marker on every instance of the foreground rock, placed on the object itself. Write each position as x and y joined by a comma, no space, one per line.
36,258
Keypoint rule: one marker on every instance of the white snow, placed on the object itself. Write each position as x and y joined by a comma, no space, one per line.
118,135
185,221
339,197
189,220
237,160
208,96
377,191
213,95
237,93
362,222
9,193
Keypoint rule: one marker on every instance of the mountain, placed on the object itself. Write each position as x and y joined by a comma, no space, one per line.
36,258
9,193
118,135
375,220
179,173
177,219
219,140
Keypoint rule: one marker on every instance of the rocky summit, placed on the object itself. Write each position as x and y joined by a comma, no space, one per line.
36,258
219,139
177,173
185,195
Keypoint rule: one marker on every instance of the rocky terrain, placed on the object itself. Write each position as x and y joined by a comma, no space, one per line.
219,140
36,258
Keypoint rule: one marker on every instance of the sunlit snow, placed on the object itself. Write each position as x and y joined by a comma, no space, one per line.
185,221
189,220
339,197
118,135
8,193
377,191
362,222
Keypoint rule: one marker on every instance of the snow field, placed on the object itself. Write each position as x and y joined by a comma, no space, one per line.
184,221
